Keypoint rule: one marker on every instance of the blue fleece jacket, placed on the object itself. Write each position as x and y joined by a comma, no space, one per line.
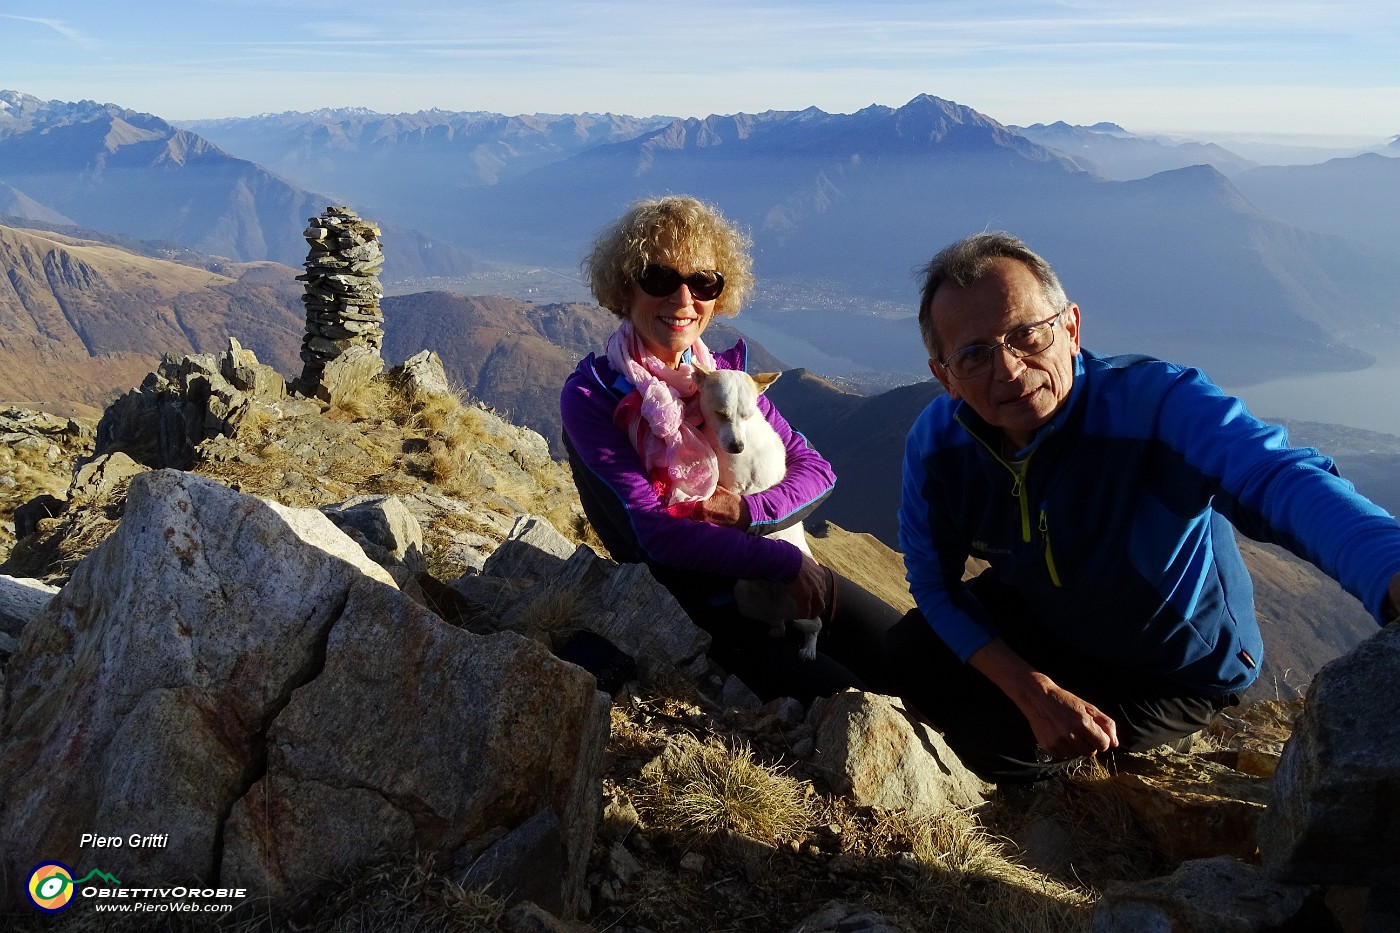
1115,522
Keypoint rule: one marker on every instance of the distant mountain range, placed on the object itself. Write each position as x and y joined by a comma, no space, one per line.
1357,198
102,166
1269,273
1113,152
843,207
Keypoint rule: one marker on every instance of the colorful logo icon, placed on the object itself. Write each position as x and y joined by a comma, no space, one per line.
51,887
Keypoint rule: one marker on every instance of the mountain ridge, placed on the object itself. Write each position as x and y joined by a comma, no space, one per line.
842,207
108,167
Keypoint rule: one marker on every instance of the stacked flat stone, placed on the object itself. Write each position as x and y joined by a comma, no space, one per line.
342,289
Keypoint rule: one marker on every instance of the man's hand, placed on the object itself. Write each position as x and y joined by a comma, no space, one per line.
723,508
1064,725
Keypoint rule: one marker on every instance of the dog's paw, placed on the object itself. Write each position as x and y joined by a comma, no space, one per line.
809,628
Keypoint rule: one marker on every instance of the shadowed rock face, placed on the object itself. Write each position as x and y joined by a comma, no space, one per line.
1337,787
240,677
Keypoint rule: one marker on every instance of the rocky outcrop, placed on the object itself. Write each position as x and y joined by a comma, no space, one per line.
1192,807
385,530
1329,820
1337,787
37,454
537,568
244,676
188,400
1218,895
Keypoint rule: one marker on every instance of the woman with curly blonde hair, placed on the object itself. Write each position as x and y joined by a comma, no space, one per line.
648,478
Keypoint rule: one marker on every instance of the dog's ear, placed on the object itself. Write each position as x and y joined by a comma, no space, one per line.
764,380
698,373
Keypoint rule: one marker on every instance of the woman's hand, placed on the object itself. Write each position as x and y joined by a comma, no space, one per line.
812,589
724,508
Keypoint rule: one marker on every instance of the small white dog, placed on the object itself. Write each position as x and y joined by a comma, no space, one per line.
751,459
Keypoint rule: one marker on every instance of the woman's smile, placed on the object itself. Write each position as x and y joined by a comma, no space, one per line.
669,325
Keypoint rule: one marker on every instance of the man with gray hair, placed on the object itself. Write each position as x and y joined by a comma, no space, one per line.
1116,611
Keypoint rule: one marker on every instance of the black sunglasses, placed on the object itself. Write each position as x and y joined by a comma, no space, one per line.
661,281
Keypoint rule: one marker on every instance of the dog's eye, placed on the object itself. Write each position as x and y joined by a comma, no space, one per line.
722,414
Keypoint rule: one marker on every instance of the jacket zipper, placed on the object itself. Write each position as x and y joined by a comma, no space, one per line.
1018,489
1049,556
1018,481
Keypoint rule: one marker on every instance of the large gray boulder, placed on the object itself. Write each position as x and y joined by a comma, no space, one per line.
1217,895
1337,787
872,751
623,603
21,599
241,677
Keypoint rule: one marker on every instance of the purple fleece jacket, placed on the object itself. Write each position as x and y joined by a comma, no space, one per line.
617,482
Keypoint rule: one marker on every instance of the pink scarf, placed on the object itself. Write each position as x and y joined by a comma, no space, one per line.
662,417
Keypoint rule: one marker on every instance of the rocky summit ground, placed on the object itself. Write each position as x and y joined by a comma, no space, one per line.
714,818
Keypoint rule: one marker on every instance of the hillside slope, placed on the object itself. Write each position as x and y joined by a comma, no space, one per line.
80,320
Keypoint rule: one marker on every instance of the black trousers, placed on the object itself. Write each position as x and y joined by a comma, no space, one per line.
989,732
850,649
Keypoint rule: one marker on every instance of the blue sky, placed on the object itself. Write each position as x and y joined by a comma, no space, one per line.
1328,67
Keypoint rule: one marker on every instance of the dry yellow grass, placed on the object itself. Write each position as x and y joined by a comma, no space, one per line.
406,894
700,791
373,401
973,878
550,614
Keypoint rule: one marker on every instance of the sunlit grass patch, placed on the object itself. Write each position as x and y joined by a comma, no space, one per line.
699,791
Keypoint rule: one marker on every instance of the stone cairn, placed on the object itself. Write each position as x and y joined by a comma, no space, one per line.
342,292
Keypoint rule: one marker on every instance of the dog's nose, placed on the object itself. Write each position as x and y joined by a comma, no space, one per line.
736,447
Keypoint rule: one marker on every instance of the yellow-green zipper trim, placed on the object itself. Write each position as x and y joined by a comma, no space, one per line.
1018,489
1049,556
1018,477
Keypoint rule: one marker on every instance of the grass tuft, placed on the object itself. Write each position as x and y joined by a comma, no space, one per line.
375,400
970,876
405,894
699,792
551,614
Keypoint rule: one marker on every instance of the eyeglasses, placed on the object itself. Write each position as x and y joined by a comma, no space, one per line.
1026,340
662,281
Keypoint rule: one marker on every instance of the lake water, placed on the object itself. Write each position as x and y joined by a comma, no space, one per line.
1367,398
794,350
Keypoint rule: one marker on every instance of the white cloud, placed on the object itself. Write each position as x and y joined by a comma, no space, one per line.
60,27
